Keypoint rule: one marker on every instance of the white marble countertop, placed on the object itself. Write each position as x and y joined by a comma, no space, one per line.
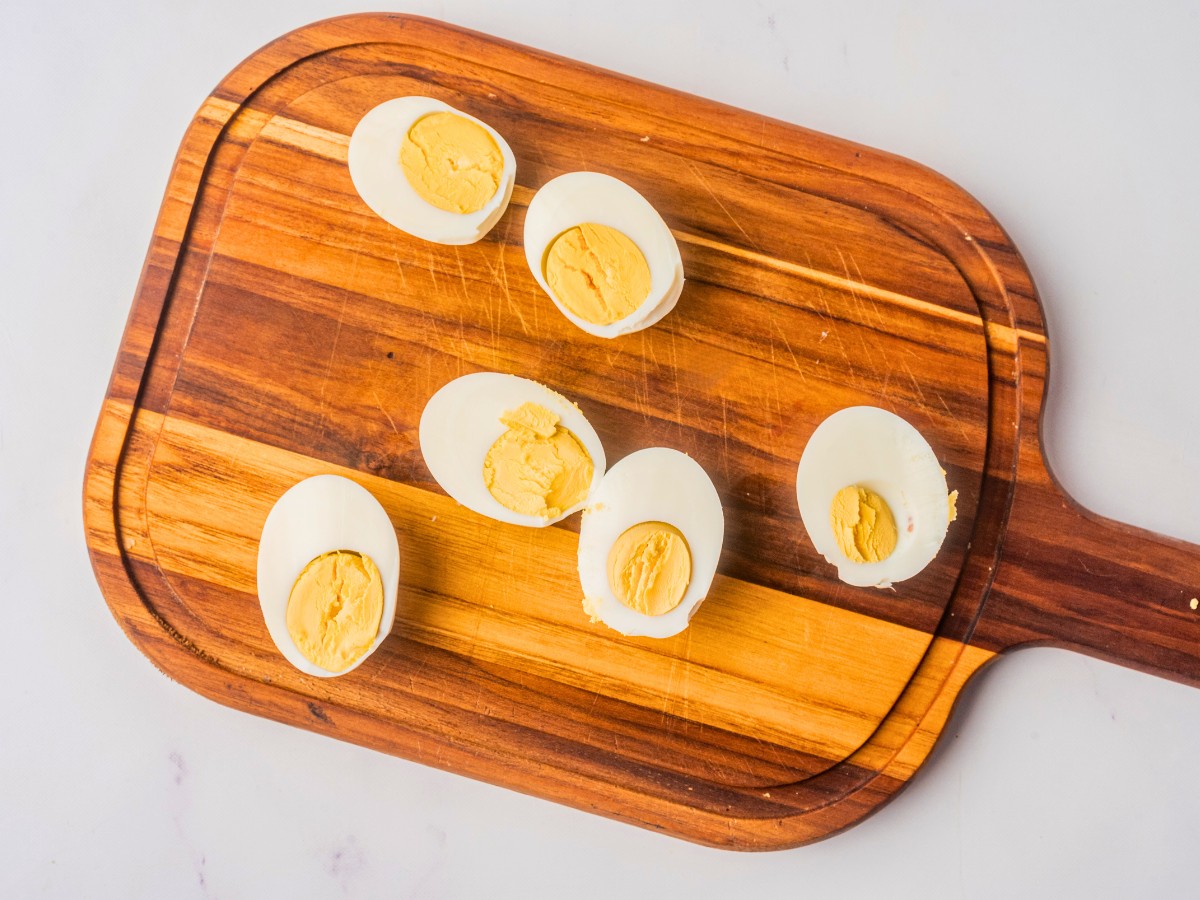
1075,123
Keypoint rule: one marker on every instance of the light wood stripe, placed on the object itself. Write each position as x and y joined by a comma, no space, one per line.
755,661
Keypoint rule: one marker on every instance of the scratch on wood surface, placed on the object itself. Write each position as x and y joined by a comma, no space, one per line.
499,273
678,386
332,353
850,287
725,437
379,404
887,378
462,276
874,307
724,209
643,396
433,271
462,338
433,327
669,692
775,398
350,282
788,345
648,348
957,420
916,383
400,269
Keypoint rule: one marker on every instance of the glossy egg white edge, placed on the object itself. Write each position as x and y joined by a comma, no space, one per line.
872,447
578,197
461,421
652,485
374,161
316,516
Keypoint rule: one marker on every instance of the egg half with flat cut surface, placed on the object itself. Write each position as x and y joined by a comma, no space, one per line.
328,572
603,254
873,496
510,448
649,543
431,170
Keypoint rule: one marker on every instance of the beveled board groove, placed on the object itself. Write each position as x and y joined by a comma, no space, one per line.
281,330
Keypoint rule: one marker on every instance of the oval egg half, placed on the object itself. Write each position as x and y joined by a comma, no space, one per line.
655,485
461,423
579,198
877,450
316,516
374,159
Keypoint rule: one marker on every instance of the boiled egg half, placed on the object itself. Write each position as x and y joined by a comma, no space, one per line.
873,497
328,572
510,448
602,253
431,170
649,543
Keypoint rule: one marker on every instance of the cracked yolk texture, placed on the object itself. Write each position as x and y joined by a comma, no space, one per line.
597,273
863,524
537,467
335,608
649,567
451,162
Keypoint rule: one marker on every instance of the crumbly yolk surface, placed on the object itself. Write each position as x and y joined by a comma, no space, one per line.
452,162
863,524
649,568
537,467
597,273
335,608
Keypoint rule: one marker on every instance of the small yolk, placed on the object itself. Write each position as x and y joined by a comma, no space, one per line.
649,568
863,524
452,162
597,273
334,609
537,467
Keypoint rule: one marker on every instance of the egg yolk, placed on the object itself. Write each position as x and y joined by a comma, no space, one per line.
597,273
452,162
335,608
649,568
537,467
863,524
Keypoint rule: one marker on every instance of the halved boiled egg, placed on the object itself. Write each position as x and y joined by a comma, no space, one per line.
328,572
603,254
649,543
873,497
431,170
510,448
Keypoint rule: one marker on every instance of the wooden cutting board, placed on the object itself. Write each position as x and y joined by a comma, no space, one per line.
282,330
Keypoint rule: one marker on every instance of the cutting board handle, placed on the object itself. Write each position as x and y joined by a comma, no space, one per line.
1071,578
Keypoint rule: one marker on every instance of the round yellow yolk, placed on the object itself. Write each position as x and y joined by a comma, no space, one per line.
537,467
451,162
597,273
863,524
649,567
335,608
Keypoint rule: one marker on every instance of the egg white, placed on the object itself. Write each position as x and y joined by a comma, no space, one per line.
461,421
874,448
374,160
313,517
652,485
581,197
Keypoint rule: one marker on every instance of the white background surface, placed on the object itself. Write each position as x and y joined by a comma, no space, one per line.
1059,776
